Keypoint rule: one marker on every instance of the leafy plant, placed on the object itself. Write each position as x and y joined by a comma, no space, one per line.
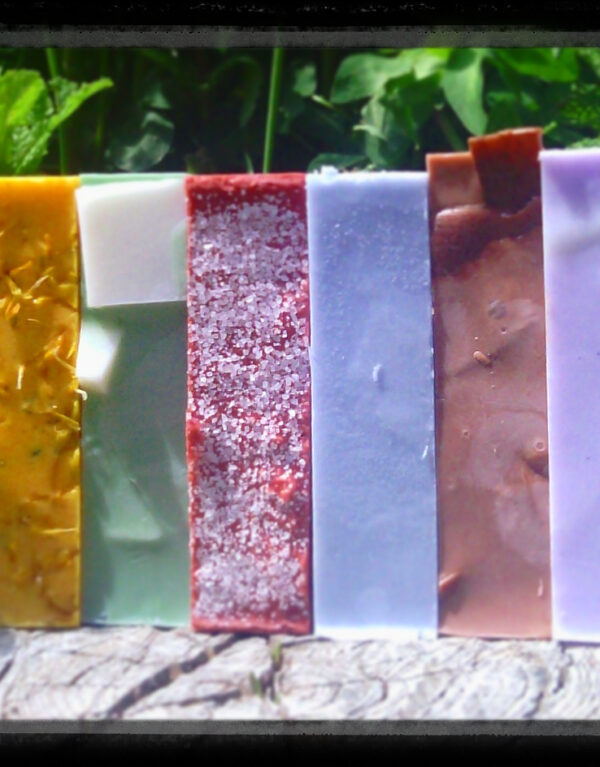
31,111
205,110
406,103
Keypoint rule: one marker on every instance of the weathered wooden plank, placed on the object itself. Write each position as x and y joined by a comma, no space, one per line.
141,673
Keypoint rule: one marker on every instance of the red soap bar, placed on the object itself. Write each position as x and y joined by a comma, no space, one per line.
248,415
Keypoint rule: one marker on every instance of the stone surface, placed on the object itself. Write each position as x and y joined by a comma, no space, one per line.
142,673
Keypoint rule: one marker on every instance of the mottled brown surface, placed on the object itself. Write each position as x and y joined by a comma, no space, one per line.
508,167
460,234
453,181
491,416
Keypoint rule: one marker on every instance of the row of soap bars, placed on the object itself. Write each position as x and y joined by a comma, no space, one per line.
248,416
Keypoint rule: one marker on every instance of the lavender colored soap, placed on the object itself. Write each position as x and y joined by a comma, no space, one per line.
374,502
571,226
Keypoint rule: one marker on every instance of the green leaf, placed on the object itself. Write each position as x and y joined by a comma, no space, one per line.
445,120
549,64
24,110
291,107
32,144
28,116
582,107
503,110
166,59
304,79
374,115
337,160
248,163
321,101
586,142
462,84
155,96
20,92
69,96
372,130
562,136
325,130
362,75
412,102
592,58
294,100
427,61
26,144
143,142
239,76
386,143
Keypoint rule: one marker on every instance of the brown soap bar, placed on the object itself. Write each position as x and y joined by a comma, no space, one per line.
460,234
491,418
453,181
508,166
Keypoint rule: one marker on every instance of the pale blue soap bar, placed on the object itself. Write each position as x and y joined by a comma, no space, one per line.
374,500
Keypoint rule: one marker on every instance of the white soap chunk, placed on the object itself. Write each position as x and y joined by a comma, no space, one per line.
98,347
131,243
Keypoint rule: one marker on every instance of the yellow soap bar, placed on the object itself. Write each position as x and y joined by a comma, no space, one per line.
40,487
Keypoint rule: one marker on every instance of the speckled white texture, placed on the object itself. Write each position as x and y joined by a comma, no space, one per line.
374,512
131,241
248,372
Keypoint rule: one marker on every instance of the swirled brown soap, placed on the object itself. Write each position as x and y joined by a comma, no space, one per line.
39,403
490,380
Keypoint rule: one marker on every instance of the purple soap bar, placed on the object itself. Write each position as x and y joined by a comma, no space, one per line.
571,221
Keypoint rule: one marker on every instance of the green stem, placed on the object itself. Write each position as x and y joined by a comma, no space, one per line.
102,110
449,131
52,60
274,89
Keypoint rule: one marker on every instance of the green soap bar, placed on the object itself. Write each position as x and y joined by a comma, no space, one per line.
135,529
109,178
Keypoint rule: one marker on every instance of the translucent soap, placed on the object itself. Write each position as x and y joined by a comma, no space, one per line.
374,513
132,363
571,226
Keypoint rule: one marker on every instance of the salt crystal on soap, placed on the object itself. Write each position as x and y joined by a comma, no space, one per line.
248,416
374,517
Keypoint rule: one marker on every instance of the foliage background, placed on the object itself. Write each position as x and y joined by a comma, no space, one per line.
205,110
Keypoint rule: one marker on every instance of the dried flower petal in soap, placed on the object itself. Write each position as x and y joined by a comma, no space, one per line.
39,404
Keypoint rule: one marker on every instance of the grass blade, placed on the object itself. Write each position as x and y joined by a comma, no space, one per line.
52,60
274,90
